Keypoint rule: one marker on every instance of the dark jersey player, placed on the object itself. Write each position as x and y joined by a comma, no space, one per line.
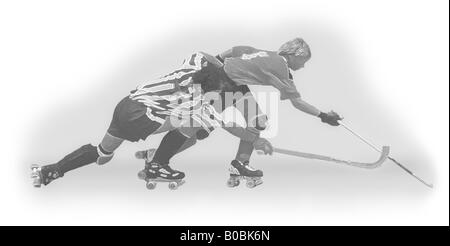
250,66
174,101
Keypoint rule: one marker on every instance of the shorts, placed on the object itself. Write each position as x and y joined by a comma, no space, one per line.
130,121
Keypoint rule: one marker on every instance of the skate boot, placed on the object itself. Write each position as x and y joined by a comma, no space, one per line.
154,173
243,171
44,175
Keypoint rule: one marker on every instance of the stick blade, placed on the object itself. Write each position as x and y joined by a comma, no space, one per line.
384,155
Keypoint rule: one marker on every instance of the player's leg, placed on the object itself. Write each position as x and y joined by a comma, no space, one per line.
172,143
158,166
212,77
191,141
107,147
181,139
85,155
256,125
177,141
169,146
256,122
244,152
123,127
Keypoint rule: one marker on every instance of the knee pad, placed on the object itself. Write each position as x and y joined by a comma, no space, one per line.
203,133
103,155
195,133
260,122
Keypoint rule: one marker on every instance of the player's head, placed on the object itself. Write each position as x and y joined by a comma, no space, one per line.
296,52
213,78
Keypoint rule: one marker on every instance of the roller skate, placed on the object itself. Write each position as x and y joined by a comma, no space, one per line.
154,173
243,171
44,175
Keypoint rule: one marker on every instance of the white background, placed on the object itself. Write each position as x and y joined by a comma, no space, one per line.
382,64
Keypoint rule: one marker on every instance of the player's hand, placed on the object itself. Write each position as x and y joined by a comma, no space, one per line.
331,118
262,144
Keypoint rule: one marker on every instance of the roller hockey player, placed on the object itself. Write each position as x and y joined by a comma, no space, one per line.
172,102
250,66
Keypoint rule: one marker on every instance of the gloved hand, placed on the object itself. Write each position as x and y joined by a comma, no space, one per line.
263,145
330,118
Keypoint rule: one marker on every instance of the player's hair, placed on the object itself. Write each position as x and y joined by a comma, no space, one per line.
297,47
212,77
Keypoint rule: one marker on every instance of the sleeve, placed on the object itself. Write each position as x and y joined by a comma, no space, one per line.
289,91
285,85
278,75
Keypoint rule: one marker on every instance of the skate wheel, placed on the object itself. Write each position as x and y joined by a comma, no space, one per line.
251,184
232,183
254,182
259,182
37,182
151,185
142,175
34,169
35,175
173,185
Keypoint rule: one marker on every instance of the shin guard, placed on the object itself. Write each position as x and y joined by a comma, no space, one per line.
85,155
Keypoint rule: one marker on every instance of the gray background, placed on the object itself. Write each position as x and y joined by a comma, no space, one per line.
295,191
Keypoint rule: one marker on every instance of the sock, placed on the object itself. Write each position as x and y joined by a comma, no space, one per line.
85,155
244,152
169,146
187,144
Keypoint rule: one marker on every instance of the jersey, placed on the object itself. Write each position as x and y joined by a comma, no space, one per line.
176,94
250,66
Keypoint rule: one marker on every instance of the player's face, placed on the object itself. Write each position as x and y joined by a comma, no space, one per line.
296,62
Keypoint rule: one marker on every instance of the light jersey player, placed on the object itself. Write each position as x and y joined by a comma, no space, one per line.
171,102
250,66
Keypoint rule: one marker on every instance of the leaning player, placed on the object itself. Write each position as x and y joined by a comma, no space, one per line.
250,66
171,102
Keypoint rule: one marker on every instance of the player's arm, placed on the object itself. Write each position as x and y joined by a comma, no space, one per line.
330,118
305,107
288,91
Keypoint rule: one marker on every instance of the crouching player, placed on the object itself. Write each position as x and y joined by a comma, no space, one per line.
169,103
246,65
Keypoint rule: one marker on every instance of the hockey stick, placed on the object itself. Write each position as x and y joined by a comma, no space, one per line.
381,159
390,158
